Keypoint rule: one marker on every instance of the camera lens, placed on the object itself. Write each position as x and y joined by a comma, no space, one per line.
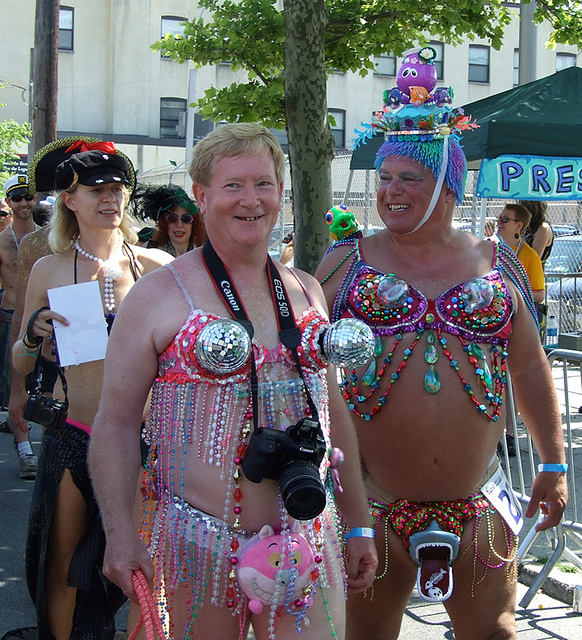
45,416
302,491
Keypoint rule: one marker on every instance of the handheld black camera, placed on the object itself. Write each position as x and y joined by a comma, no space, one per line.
292,457
48,412
44,410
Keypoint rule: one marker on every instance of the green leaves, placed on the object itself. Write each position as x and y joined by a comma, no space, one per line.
250,35
12,136
246,102
565,16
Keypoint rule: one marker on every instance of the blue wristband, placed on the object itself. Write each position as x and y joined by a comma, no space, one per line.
360,532
556,468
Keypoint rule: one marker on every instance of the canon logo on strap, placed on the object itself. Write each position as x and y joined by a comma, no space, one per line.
225,285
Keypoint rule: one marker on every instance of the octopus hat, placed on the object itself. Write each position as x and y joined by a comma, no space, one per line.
418,122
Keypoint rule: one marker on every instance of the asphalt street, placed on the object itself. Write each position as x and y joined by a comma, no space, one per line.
547,617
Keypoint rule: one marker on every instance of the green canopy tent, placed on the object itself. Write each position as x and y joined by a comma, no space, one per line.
540,118
363,159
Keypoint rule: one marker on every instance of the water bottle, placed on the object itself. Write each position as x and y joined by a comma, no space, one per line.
552,331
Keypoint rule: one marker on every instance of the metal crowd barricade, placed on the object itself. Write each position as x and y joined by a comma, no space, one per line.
567,370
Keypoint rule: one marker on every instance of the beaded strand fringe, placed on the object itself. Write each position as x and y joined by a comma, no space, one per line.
214,425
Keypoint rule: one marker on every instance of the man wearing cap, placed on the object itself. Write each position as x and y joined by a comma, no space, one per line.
5,220
21,203
450,314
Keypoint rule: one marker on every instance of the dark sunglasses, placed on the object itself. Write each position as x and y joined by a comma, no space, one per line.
27,197
5,214
505,219
186,218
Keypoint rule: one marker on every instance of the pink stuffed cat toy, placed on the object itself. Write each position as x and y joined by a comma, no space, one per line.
262,575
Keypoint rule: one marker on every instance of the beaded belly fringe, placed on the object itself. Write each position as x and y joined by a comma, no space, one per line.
193,551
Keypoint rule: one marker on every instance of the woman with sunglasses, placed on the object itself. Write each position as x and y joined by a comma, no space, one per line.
179,226
511,227
91,236
512,224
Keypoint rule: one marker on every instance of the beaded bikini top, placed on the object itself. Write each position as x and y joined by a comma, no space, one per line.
180,361
477,311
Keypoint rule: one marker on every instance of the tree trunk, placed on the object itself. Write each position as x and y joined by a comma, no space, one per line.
311,144
45,74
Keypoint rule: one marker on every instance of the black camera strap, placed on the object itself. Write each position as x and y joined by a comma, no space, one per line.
289,333
37,377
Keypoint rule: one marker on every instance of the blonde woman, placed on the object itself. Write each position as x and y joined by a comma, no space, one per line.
91,238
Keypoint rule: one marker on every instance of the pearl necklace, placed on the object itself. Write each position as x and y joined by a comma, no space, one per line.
111,272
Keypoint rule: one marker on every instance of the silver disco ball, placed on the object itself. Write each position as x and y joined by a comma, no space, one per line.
348,343
223,346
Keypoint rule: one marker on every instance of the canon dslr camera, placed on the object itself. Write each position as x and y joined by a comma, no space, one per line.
45,411
292,457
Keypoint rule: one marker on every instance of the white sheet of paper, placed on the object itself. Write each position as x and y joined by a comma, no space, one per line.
85,339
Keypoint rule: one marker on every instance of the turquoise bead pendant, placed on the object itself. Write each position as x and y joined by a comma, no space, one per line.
432,381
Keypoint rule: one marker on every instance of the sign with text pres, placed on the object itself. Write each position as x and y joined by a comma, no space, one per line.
530,178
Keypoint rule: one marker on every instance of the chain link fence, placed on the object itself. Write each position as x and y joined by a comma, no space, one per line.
357,190
361,197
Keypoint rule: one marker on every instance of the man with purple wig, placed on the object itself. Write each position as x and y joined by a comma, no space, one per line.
450,314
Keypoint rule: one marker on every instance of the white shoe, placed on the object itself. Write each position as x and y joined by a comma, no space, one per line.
27,466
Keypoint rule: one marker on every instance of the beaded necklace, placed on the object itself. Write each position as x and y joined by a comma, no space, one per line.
169,248
111,269
16,240
290,336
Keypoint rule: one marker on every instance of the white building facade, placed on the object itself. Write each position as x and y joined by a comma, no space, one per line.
113,86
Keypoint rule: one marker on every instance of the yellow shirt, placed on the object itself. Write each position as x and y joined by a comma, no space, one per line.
532,264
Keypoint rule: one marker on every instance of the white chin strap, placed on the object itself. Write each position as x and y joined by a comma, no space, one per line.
438,186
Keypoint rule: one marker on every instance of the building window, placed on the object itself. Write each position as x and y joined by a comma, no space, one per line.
338,128
384,65
202,127
66,23
478,63
174,26
515,67
565,60
282,138
170,110
439,60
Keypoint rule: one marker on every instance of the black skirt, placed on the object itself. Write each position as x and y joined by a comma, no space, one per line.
98,599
